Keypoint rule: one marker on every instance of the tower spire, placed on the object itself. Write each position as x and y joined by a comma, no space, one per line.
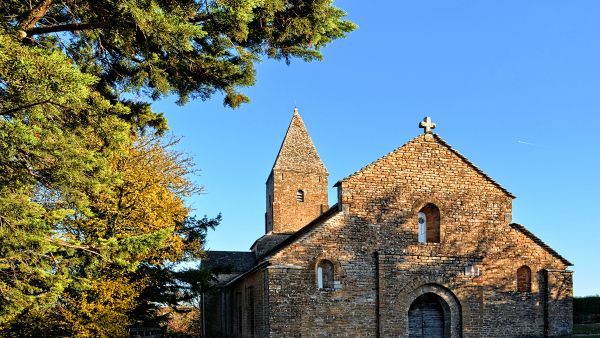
298,152
297,186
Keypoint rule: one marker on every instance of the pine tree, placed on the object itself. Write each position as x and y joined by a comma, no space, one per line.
55,136
67,69
190,48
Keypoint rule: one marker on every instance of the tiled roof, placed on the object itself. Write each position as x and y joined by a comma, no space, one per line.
293,238
540,242
268,242
239,261
298,234
297,152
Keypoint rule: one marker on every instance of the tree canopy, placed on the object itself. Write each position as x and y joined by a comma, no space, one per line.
55,136
87,198
190,48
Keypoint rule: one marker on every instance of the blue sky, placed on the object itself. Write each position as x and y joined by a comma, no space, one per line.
512,85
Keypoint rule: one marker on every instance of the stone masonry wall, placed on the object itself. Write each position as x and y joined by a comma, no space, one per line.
246,300
380,268
300,309
559,303
289,215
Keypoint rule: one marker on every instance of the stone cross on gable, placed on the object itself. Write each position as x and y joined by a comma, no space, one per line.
427,125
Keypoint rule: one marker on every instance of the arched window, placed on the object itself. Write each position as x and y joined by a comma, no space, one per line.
524,279
429,224
300,196
325,274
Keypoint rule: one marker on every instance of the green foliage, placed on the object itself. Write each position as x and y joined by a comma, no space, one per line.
44,322
55,135
189,48
589,304
170,286
140,228
68,124
586,329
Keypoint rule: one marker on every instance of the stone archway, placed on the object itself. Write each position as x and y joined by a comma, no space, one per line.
428,316
433,297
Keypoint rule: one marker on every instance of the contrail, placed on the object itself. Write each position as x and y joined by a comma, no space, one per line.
531,144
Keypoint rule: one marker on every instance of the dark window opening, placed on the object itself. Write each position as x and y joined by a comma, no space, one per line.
325,274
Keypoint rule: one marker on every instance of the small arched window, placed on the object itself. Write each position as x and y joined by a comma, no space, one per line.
300,196
524,279
325,274
429,224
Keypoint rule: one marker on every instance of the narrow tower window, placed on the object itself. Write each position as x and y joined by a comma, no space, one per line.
300,196
524,279
325,274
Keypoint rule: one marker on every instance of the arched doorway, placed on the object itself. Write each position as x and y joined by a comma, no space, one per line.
429,317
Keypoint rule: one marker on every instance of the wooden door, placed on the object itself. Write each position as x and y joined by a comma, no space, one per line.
426,318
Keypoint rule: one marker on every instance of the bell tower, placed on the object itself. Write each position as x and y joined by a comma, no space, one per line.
297,185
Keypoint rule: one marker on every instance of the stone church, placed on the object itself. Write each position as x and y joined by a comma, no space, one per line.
419,244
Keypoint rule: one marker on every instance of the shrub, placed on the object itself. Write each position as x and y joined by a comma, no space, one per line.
586,309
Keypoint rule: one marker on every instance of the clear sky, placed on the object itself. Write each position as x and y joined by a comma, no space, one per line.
512,85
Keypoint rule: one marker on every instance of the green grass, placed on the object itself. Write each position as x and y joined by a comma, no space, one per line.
587,329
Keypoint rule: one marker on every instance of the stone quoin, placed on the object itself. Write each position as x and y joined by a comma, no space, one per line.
419,244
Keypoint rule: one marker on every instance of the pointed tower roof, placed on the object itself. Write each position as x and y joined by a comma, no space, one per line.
297,152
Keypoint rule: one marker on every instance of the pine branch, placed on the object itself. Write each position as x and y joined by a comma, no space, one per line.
234,46
36,14
7,112
72,246
66,28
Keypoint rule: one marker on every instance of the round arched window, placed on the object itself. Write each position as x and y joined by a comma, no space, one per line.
325,276
524,279
429,224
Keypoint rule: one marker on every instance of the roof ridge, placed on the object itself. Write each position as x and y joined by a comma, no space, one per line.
486,176
377,160
334,210
440,140
539,242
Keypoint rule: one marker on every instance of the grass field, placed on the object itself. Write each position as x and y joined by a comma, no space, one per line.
587,329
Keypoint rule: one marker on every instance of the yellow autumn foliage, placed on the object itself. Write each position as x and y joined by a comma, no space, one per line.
101,312
155,181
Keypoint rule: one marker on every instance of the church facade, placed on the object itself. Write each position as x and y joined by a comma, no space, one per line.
419,244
